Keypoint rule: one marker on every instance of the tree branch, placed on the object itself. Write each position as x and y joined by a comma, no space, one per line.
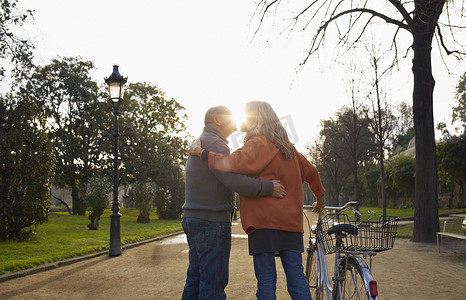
264,11
372,12
449,52
324,26
304,10
63,202
404,13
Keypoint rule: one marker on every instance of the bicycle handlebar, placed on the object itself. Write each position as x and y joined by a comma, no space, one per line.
349,204
338,208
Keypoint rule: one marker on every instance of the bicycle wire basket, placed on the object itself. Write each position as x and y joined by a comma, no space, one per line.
373,236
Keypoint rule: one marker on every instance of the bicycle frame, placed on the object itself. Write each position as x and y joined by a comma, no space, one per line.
323,281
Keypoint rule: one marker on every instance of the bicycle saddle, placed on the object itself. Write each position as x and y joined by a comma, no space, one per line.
343,229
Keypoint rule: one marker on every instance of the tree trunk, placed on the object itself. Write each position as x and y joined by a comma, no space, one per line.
61,201
3,234
426,222
356,181
94,218
78,206
143,217
382,187
3,211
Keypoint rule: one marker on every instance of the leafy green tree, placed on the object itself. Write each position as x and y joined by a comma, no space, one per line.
153,147
79,121
97,199
401,171
451,151
152,128
370,177
451,156
14,48
170,192
459,111
142,194
352,140
26,166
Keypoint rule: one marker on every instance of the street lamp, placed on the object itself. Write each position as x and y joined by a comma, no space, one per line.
116,84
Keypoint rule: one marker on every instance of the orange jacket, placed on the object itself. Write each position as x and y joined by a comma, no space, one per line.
260,158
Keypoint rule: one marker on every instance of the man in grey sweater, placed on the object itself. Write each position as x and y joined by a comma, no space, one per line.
208,209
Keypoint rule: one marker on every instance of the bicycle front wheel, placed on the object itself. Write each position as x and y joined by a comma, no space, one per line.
355,277
311,273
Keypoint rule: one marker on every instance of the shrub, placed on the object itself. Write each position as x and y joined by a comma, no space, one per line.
142,194
170,194
97,200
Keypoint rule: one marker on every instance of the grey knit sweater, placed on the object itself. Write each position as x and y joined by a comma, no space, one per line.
209,194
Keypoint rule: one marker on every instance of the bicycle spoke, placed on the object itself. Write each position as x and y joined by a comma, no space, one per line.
355,281
312,275
352,286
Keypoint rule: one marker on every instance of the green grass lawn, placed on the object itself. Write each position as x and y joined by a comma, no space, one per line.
409,212
406,230
65,236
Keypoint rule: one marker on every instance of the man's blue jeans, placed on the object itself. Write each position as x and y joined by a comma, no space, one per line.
209,255
266,274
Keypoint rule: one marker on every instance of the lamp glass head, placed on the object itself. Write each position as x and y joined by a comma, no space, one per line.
116,84
116,90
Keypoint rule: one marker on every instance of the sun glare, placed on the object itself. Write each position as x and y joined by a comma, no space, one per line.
238,115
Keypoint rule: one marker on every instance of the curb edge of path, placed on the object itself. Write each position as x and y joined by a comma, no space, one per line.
69,261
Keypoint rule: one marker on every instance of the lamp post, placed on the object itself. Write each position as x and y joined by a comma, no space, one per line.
115,84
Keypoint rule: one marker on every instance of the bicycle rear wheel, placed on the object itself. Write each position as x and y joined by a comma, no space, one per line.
311,273
356,277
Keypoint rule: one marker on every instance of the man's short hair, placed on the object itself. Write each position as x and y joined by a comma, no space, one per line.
215,111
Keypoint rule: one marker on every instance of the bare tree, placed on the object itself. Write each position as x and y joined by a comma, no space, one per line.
404,130
405,117
323,154
381,119
350,21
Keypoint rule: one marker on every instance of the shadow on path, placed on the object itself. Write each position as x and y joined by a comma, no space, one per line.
59,277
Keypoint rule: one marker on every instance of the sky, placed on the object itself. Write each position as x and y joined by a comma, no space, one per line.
204,53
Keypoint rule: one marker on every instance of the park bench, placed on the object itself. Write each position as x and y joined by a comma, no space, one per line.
448,234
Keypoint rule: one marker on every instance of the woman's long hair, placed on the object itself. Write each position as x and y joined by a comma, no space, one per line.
262,120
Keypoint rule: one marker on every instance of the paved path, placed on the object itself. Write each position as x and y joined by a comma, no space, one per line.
157,271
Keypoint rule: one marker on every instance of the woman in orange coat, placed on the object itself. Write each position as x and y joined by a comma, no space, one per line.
273,225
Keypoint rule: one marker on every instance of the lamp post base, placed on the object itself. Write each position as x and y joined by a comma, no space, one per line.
115,239
114,251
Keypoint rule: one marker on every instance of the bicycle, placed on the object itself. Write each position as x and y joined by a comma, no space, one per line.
348,239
